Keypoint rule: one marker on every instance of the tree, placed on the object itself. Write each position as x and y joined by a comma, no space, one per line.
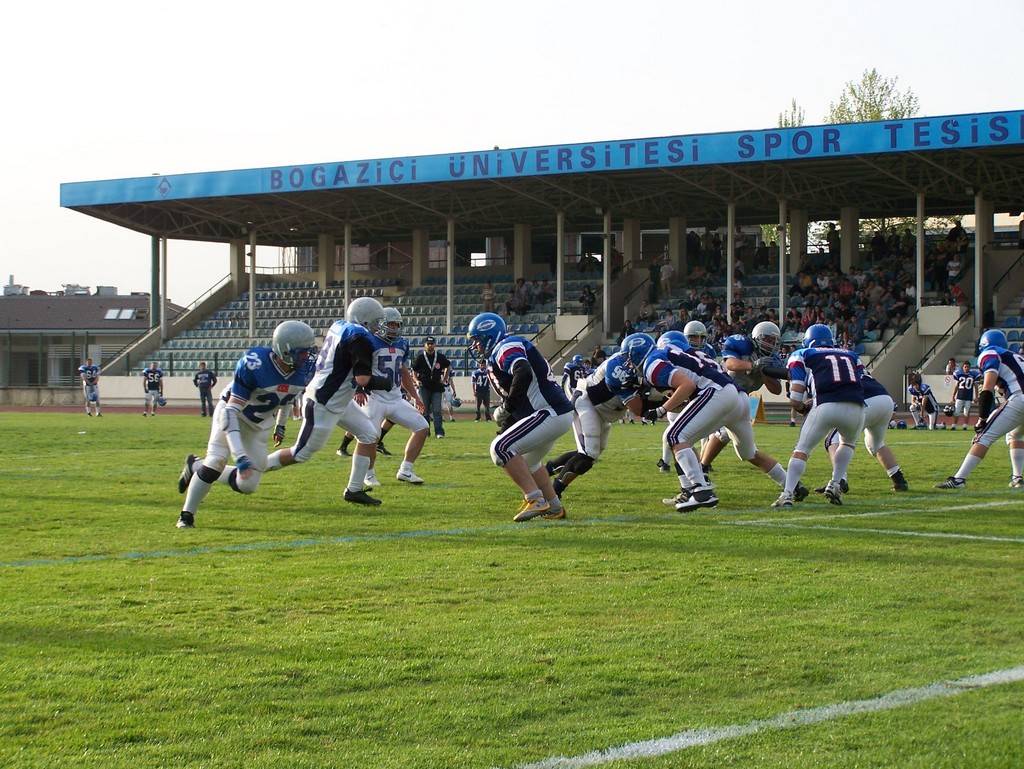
793,116
872,98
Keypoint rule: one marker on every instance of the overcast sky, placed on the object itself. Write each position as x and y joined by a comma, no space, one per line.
109,90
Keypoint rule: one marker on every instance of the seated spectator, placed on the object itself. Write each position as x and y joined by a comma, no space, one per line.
698,276
645,313
545,293
957,294
598,356
627,329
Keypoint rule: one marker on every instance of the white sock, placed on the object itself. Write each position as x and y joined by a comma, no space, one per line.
360,466
666,453
274,461
534,496
1017,461
841,461
197,491
970,462
794,473
555,503
931,421
691,466
778,474
406,466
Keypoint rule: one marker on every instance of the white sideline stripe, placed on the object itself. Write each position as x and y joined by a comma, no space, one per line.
893,532
873,513
804,717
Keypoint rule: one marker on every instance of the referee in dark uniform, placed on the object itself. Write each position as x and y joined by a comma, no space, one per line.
482,390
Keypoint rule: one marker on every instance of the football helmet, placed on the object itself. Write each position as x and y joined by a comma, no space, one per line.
392,324
636,348
368,313
993,338
696,333
484,333
577,360
948,410
818,335
294,343
766,336
901,425
674,338
161,401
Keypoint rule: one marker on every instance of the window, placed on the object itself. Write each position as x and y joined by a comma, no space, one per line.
128,313
112,314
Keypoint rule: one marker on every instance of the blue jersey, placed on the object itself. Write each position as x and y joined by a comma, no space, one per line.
89,374
709,350
151,379
481,382
661,365
347,352
543,392
1009,365
612,382
872,387
389,358
831,374
922,392
571,374
263,385
740,347
965,382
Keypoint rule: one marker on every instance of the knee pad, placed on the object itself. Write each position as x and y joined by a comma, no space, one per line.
579,463
209,474
915,408
247,486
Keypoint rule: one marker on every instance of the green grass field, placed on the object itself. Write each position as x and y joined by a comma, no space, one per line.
292,630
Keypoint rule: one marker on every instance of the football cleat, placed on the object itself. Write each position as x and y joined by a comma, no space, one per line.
408,476
664,466
186,521
555,515
342,452
952,482
382,450
682,496
360,498
785,500
703,497
899,483
531,508
1016,482
186,474
833,493
801,492
371,481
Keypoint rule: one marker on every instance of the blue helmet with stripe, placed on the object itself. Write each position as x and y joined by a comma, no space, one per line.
577,360
637,347
993,338
674,338
484,332
818,335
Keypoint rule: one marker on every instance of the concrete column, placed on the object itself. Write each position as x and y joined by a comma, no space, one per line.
782,260
560,260
237,263
730,257
797,238
521,250
420,253
165,324
849,226
983,230
252,288
154,281
677,245
606,270
325,260
347,264
631,242
450,277
919,250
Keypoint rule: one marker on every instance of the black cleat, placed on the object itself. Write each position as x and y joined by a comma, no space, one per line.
186,474
801,492
844,486
698,498
186,520
360,498
952,482
381,449
663,466
899,483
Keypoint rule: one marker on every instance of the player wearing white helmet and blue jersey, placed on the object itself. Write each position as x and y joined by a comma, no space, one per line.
696,334
534,412
830,378
1004,368
265,379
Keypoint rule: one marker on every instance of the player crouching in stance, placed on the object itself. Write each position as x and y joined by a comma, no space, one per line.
878,408
599,401
998,366
533,415
922,403
712,401
386,408
831,378
265,378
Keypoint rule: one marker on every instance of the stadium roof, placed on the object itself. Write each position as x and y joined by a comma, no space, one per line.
877,167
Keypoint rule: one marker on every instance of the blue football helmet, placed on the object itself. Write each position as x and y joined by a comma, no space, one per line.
577,360
993,338
674,338
484,332
818,335
161,401
637,347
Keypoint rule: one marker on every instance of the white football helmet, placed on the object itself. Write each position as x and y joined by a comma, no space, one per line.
766,336
294,343
696,334
392,324
368,313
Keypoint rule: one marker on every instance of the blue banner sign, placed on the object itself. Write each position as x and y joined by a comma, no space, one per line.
824,141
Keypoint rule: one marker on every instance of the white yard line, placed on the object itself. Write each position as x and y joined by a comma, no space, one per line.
875,513
695,737
892,532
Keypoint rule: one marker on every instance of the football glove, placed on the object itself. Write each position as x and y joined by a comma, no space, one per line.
654,414
243,463
980,425
278,435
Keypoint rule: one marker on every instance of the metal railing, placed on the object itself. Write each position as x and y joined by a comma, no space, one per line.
924,358
896,335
